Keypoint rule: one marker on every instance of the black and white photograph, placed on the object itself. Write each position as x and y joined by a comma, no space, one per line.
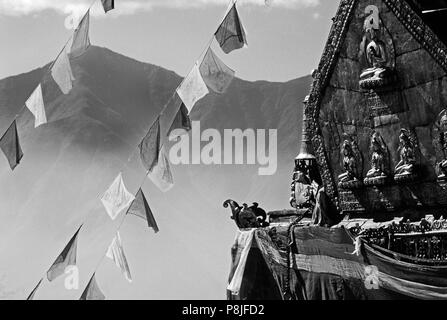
223,154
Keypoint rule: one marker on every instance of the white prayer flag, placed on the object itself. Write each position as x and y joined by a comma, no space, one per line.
61,72
81,39
161,174
116,198
36,106
116,253
193,88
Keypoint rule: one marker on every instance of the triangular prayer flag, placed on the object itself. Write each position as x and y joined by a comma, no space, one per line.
116,198
31,295
150,145
231,33
116,253
161,174
10,145
215,73
181,121
81,40
36,106
192,89
61,72
141,208
108,5
92,291
65,259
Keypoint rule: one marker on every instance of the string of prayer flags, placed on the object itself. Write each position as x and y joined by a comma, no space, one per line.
116,253
10,145
108,5
61,72
116,198
150,145
92,291
215,73
161,174
31,295
36,105
65,259
231,33
193,88
81,39
141,209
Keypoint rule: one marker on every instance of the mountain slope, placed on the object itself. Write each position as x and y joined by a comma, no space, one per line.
92,136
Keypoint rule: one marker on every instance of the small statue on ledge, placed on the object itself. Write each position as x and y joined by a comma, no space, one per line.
378,55
302,190
350,179
378,174
405,170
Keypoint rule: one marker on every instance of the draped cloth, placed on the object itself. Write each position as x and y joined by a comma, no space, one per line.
116,198
36,105
92,291
10,145
62,73
322,267
140,208
81,39
241,247
216,74
115,252
65,259
193,88
231,33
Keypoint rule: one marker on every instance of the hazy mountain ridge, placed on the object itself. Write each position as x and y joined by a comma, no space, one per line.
93,135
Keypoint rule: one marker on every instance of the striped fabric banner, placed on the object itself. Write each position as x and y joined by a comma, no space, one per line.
323,267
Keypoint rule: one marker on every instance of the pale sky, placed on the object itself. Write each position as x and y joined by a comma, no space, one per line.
285,38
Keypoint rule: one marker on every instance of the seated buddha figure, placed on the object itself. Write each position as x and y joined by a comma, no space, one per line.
378,160
442,165
376,56
377,174
407,163
350,178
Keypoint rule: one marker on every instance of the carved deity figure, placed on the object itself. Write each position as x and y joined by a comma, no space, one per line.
349,163
442,165
379,161
377,52
376,56
378,158
407,153
302,195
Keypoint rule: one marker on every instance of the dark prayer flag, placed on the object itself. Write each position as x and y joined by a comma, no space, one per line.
31,295
81,39
231,34
181,120
92,291
65,259
141,208
10,145
108,5
150,146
